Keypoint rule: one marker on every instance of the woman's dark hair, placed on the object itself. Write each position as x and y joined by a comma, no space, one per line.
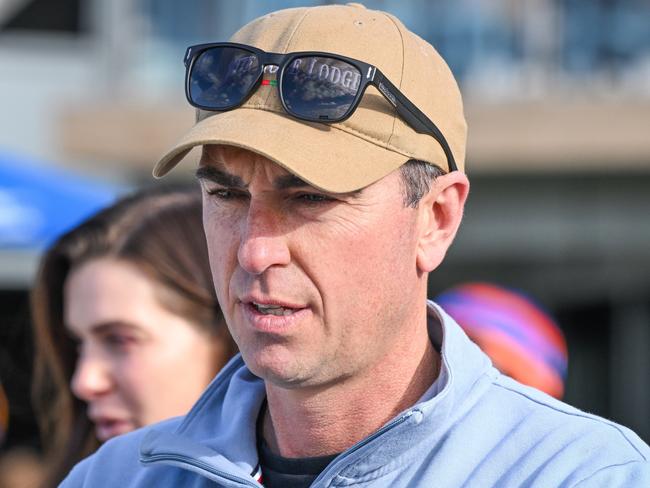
161,232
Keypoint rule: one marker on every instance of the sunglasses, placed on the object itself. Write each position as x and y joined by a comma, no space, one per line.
313,86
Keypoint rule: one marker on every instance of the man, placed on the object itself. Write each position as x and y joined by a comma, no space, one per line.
333,186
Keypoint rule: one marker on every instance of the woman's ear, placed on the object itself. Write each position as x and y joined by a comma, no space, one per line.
440,213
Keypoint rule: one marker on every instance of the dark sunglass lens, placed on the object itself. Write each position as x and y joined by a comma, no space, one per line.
221,77
320,88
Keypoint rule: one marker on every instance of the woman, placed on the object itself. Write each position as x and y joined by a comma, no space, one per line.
128,330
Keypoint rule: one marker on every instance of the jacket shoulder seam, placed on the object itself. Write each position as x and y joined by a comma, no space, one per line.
609,466
580,414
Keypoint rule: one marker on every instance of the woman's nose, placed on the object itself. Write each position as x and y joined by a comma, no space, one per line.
91,378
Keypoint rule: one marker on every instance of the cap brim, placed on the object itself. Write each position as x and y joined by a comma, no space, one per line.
325,156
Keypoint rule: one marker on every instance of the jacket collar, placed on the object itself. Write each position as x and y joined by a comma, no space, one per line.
221,425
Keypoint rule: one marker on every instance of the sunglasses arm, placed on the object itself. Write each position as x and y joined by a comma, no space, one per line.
412,115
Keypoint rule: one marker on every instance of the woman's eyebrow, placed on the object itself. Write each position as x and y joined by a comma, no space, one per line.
110,326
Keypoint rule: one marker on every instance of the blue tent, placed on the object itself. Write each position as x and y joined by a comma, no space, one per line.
39,202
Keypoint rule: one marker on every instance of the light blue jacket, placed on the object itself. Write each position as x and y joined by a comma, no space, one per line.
474,427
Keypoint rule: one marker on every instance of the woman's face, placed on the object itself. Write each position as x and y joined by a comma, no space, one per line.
138,362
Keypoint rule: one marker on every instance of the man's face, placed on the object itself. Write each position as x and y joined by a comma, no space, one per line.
315,286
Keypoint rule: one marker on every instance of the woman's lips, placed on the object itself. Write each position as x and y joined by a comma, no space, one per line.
106,428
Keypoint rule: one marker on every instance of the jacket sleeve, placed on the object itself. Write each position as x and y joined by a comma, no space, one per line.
633,473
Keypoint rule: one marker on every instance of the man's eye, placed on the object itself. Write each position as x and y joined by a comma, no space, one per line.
313,197
223,193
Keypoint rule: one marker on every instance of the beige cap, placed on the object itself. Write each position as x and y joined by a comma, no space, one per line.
374,141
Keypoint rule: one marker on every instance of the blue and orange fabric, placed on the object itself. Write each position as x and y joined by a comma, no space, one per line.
517,333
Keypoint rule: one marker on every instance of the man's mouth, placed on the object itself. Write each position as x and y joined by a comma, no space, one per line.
274,315
276,310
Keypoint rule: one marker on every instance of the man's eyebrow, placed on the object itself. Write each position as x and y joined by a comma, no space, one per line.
210,173
289,181
292,181
285,182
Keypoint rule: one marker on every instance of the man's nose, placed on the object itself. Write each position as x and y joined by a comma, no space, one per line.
263,244
91,378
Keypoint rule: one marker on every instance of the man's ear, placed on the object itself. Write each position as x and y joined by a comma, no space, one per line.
440,212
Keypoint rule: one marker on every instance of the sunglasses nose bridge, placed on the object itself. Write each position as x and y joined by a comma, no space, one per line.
273,59
271,62
270,68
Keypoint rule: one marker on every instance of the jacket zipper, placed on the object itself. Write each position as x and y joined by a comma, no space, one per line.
361,444
155,458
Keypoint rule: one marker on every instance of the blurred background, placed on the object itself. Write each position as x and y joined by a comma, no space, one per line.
557,97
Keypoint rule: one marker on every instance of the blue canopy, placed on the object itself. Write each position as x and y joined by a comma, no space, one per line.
38,202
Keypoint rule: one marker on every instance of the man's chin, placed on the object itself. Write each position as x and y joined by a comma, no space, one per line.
279,368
